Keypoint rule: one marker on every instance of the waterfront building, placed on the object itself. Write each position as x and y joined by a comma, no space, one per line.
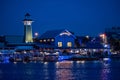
113,32
15,42
28,29
19,42
90,45
113,38
61,39
82,41
10,41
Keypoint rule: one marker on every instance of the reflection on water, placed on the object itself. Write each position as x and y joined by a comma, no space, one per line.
106,70
65,70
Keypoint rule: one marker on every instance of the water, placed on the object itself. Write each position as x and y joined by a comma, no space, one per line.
65,70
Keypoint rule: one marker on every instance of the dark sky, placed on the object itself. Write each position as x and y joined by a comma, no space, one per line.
83,17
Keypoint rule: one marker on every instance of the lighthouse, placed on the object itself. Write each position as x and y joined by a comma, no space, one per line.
28,29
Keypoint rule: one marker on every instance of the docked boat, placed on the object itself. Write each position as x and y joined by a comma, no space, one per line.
51,56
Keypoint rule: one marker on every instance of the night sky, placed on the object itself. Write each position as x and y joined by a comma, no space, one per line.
83,17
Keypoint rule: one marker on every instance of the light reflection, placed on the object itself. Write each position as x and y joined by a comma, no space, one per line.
106,59
80,61
71,61
105,74
106,70
57,64
45,63
64,71
46,71
29,72
15,62
24,52
35,61
24,62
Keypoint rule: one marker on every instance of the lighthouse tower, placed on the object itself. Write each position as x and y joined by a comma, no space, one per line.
27,29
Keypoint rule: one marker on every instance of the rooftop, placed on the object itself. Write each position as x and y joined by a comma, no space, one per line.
51,33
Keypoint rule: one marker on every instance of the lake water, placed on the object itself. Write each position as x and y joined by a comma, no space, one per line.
65,70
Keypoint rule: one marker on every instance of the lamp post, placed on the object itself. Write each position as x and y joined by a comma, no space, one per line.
36,37
36,34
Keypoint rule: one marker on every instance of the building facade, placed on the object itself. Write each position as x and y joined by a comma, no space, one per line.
57,39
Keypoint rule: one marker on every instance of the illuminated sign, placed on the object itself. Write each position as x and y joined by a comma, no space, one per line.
65,33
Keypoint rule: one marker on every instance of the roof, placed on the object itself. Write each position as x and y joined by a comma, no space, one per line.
27,17
24,48
27,14
51,33
14,38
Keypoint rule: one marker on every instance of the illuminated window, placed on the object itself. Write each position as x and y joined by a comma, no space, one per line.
59,44
40,40
44,40
69,44
52,40
48,40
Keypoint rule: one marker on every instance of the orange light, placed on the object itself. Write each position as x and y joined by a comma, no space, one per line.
102,35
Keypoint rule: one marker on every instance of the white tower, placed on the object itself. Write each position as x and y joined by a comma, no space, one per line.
27,29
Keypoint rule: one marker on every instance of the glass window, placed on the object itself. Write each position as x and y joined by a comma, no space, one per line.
40,40
48,40
69,44
52,40
59,44
44,40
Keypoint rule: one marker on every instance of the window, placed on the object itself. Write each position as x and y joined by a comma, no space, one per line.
40,40
48,40
52,40
44,40
59,44
69,44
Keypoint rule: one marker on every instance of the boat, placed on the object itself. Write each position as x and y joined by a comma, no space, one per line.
51,56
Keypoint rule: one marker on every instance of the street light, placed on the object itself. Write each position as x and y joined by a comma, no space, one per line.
36,34
87,37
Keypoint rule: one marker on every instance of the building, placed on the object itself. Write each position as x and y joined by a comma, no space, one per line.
12,39
61,39
113,38
15,42
54,39
113,32
19,42
27,29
